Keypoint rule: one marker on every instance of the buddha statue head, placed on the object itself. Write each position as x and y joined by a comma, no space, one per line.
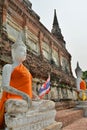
19,50
78,71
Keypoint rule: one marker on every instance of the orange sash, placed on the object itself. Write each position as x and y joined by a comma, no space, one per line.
2,116
83,85
21,79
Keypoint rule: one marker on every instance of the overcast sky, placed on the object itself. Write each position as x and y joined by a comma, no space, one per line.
72,18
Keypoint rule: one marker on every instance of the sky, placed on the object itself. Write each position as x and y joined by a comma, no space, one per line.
72,18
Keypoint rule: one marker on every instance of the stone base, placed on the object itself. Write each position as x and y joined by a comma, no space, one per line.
53,126
33,121
82,105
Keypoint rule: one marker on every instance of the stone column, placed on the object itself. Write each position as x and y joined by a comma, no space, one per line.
5,8
59,58
40,36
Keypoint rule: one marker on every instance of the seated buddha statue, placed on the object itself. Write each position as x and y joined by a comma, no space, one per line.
80,84
17,85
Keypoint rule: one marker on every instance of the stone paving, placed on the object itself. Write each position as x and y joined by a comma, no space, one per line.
72,119
80,124
68,116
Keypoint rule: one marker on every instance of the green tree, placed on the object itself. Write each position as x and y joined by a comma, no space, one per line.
84,76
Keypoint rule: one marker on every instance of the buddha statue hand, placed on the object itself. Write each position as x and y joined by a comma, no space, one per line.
28,99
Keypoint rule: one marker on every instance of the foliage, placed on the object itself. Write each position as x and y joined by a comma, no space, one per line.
84,76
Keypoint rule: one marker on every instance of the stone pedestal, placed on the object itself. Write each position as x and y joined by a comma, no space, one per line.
82,105
33,119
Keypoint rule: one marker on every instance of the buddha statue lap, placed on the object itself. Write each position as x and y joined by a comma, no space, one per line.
17,97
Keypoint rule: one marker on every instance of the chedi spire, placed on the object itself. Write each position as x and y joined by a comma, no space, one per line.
56,31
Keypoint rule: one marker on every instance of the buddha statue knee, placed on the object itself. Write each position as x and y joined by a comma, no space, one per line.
16,106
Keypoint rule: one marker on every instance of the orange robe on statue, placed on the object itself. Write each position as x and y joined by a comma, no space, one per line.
83,85
21,79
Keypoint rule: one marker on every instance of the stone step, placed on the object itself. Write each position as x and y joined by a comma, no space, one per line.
68,116
80,124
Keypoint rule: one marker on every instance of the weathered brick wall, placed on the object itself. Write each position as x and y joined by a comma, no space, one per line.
37,64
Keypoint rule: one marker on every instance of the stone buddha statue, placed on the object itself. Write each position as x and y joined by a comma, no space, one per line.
80,83
17,93
78,72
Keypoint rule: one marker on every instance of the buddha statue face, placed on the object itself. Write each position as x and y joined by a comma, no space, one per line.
78,71
79,74
19,53
19,50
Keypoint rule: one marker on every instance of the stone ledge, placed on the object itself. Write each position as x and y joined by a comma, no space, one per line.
64,105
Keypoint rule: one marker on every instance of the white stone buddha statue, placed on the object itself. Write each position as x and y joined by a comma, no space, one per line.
78,72
17,86
80,84
18,56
